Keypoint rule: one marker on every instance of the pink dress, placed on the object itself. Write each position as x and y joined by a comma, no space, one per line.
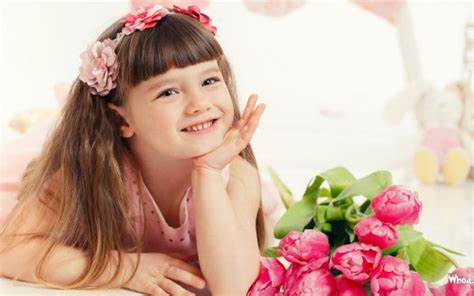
158,235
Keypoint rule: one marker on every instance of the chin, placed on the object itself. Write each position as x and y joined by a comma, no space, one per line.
204,149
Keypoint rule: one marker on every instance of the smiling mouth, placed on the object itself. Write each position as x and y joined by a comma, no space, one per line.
199,127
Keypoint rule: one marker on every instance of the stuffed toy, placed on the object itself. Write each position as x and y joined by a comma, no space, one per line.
443,151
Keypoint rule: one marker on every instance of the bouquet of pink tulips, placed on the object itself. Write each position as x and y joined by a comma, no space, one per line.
355,237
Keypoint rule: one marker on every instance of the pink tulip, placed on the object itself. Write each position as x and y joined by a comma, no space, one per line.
310,279
371,230
437,291
461,282
302,247
393,277
356,261
347,287
397,205
270,278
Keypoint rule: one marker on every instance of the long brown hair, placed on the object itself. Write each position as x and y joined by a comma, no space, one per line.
79,175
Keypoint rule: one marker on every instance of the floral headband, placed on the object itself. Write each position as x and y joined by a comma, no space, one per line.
99,67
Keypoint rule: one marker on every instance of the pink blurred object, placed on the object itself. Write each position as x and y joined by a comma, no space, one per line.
397,205
302,247
270,278
273,209
387,9
437,291
15,157
347,287
17,154
441,140
309,279
459,284
273,8
356,261
169,3
371,230
393,277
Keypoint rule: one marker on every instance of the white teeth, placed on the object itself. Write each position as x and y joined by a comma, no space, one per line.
199,127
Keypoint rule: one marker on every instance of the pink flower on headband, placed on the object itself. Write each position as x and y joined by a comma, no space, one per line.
194,12
144,18
99,68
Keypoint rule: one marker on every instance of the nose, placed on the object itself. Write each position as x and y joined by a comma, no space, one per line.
197,103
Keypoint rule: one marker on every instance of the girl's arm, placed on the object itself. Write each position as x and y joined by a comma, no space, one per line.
156,272
225,227
226,219
20,260
64,265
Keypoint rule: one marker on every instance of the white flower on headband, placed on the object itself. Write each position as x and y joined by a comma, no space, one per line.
99,68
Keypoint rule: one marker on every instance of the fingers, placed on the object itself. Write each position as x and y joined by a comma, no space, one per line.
248,110
249,129
173,288
155,290
184,276
186,266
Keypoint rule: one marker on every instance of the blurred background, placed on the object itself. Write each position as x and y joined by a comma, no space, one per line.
345,83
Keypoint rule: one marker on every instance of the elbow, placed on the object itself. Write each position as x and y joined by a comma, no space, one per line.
239,288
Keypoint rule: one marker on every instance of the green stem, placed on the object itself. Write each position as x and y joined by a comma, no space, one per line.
446,249
348,216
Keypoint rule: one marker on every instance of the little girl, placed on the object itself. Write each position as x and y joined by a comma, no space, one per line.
148,181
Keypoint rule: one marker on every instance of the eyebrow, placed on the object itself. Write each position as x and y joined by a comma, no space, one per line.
164,81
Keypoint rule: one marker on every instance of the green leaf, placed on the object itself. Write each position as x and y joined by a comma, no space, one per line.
320,213
285,193
296,217
334,214
325,192
271,252
364,206
338,179
350,233
368,186
325,227
351,217
406,235
430,263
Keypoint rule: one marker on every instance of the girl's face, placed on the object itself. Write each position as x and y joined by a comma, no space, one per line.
170,114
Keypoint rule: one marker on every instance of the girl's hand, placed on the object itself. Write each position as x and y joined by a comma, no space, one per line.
235,140
157,274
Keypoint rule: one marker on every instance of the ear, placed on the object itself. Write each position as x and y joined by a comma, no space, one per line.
125,128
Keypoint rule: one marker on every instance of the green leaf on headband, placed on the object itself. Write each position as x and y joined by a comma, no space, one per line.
271,252
285,193
430,263
367,186
296,217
